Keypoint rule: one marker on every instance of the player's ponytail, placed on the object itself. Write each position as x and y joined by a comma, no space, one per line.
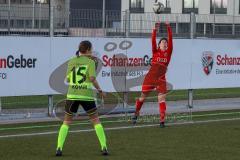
77,53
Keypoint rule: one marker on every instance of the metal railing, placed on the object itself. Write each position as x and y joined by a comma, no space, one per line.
31,21
44,21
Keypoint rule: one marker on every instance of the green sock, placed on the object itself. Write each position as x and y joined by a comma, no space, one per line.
101,135
62,135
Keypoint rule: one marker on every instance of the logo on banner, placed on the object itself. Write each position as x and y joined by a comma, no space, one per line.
15,63
120,58
207,62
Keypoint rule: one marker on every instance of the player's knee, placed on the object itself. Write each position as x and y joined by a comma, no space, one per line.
67,119
161,98
94,119
141,99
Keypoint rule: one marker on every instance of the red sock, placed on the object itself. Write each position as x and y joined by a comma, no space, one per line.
162,111
138,106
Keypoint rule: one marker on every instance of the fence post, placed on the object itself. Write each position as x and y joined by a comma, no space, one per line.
192,34
9,16
50,105
213,25
33,14
233,29
233,26
177,27
190,98
127,23
205,29
39,16
193,25
141,26
125,100
0,105
67,14
103,14
106,26
51,30
127,30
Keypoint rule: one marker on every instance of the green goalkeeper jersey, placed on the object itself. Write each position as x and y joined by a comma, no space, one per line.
79,71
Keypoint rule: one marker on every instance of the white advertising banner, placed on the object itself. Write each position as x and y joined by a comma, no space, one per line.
24,66
37,65
215,64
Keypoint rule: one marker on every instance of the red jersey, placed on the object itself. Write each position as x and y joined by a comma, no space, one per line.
160,59
159,56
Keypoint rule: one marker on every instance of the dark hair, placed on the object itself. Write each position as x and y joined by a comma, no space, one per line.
84,46
162,39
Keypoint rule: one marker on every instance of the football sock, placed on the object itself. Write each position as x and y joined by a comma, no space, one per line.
162,111
62,135
101,135
138,106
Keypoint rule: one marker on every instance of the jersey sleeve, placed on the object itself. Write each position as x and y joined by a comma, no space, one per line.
92,71
154,42
170,41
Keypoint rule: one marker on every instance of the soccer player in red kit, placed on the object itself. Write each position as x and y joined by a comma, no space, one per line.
155,78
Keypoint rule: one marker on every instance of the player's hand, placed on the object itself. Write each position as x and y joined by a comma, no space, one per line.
157,25
167,23
102,94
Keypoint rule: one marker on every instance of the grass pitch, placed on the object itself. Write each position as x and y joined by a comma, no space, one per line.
218,140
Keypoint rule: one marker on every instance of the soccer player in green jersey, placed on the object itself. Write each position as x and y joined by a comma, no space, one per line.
81,77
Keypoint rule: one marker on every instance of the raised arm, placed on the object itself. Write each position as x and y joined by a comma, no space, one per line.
154,42
170,41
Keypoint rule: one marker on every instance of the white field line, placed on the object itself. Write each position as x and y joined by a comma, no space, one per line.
86,122
119,128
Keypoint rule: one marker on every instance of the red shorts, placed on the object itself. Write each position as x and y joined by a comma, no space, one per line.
150,84
155,79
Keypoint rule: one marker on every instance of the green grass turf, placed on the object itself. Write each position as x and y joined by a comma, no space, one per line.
28,101
211,141
42,101
196,116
